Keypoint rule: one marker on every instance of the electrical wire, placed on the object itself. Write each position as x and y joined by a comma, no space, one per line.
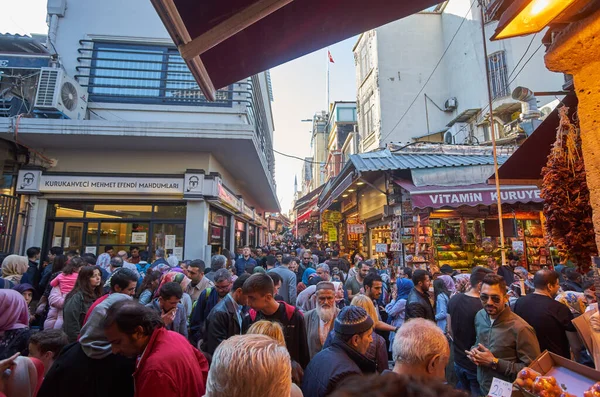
432,72
522,57
297,158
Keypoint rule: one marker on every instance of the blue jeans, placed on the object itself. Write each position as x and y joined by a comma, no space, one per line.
467,380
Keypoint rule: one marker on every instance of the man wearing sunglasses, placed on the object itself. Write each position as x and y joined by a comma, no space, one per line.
505,342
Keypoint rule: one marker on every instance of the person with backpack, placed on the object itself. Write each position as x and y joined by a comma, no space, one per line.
207,300
259,290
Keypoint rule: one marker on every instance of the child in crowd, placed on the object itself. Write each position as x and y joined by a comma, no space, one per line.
46,345
65,281
27,291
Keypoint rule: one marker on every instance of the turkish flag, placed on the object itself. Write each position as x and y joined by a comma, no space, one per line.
330,57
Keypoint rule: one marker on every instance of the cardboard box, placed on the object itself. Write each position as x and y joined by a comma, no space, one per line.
576,377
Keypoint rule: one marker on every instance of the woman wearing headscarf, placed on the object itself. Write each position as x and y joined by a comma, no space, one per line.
462,282
181,279
14,267
25,378
449,282
306,276
14,324
396,308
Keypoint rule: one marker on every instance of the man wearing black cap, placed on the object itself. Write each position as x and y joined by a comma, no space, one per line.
353,330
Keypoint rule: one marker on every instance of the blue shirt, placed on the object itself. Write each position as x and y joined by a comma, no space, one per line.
240,265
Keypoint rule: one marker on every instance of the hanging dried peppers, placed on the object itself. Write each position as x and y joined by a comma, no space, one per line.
566,196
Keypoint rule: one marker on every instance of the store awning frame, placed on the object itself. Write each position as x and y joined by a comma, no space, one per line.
524,167
437,197
223,42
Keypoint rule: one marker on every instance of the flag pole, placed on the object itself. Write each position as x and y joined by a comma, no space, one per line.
328,62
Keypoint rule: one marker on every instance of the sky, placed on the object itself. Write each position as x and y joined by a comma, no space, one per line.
299,90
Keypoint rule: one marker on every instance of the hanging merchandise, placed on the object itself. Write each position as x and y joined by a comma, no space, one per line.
567,198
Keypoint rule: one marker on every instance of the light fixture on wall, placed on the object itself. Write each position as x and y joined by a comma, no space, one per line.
525,17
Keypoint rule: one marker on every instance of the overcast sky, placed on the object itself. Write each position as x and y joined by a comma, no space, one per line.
299,89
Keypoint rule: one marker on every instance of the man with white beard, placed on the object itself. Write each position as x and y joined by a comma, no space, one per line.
319,321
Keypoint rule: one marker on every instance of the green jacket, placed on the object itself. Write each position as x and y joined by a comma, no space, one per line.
511,340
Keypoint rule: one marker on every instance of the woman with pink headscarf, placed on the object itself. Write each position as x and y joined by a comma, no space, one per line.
14,324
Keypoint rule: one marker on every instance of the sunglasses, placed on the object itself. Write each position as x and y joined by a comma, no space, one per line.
495,298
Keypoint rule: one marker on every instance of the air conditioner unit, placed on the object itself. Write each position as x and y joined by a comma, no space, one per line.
60,93
450,105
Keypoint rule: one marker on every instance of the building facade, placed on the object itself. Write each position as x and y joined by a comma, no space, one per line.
147,161
341,139
394,63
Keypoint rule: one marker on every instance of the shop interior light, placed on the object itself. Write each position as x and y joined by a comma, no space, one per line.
344,195
351,190
525,17
359,183
443,210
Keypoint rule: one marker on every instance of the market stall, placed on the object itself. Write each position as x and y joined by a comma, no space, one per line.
459,225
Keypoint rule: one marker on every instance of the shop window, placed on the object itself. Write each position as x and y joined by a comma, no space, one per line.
57,234
170,211
170,237
72,240
124,234
218,218
119,211
91,238
67,210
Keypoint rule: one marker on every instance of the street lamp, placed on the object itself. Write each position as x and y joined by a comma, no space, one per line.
525,17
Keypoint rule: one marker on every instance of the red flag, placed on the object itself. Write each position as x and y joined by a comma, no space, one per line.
330,57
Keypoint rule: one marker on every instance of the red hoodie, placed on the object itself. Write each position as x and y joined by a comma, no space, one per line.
170,367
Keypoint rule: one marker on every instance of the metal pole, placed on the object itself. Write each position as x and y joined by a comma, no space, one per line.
426,112
327,56
492,130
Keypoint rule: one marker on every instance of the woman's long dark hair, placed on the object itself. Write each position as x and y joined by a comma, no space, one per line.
58,264
439,287
151,277
83,284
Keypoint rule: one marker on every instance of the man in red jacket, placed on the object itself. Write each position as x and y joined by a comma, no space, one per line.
168,365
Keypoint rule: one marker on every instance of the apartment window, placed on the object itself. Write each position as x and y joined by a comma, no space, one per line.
368,122
498,74
365,61
145,74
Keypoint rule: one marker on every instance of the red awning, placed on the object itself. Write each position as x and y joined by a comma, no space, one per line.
226,41
470,195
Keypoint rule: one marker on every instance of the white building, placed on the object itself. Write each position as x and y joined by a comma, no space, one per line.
395,61
150,162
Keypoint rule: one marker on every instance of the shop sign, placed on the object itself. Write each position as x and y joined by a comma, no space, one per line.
357,228
178,252
33,181
332,232
349,203
381,248
334,216
476,197
228,198
249,212
138,238
395,247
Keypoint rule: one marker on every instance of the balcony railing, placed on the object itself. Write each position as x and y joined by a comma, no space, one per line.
146,74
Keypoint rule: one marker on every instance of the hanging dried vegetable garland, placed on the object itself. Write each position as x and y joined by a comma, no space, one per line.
566,196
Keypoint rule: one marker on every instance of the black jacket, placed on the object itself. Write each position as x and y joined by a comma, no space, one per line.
508,273
221,324
74,374
419,306
32,276
331,366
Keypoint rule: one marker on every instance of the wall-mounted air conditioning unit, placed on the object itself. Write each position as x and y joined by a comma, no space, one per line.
60,93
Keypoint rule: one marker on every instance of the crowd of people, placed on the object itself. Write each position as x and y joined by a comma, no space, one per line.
288,320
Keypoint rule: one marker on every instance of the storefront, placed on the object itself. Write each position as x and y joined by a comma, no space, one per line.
218,231
459,225
190,216
89,226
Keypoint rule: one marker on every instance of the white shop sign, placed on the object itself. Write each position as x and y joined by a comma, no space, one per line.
36,182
